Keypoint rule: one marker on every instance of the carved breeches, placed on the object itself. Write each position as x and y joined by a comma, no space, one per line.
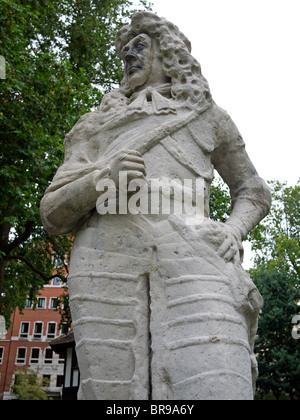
154,319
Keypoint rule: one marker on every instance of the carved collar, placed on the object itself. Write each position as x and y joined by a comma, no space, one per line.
153,100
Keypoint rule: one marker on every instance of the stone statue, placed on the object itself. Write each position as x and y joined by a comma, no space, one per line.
2,328
162,309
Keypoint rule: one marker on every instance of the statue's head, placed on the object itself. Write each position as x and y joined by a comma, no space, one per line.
142,63
154,52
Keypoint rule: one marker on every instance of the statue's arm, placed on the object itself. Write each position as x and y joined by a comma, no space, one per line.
62,208
73,193
250,195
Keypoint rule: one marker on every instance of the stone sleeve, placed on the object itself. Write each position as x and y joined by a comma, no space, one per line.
251,198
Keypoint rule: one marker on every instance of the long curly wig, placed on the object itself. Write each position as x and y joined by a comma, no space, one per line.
188,86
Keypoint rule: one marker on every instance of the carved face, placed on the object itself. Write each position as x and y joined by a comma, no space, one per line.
138,59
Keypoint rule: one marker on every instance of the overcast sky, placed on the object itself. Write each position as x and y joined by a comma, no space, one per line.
249,53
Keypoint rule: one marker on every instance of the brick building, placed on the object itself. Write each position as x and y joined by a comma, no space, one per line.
27,343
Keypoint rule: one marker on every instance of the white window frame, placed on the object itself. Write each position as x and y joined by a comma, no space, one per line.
56,279
52,303
24,334
51,335
34,360
23,362
1,355
28,304
38,336
40,299
48,361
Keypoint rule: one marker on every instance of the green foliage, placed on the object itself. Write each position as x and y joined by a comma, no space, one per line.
276,242
60,59
278,352
220,201
29,386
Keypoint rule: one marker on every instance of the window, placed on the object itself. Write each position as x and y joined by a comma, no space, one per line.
17,380
56,281
41,304
38,330
28,303
24,331
35,355
21,356
57,261
48,356
53,303
51,330
75,380
1,355
61,359
71,369
59,380
64,328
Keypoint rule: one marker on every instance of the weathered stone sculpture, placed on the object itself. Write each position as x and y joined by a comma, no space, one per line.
2,328
162,308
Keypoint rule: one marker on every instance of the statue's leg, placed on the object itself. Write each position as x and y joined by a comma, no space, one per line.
200,337
110,326
109,290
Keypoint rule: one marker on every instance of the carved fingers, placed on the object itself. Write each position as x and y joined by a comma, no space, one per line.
226,241
222,238
229,249
129,161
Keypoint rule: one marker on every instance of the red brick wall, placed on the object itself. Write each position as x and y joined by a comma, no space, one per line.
13,340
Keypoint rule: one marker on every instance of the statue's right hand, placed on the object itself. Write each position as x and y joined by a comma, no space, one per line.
130,161
218,236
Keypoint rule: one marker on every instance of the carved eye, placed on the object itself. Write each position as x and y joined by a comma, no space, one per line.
140,46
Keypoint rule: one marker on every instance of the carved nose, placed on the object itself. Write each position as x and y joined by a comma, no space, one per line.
130,56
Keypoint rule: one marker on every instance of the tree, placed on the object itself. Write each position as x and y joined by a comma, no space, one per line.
59,61
30,386
220,202
276,240
276,273
278,352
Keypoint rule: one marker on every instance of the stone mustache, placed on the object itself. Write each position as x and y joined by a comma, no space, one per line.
162,309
